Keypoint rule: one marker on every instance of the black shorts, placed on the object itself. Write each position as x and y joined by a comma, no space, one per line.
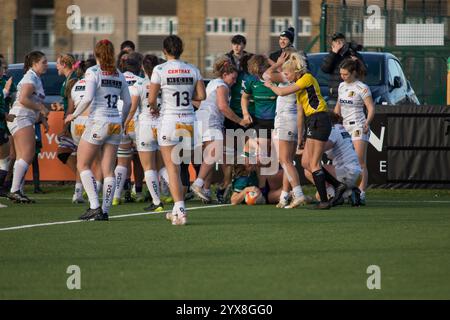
268,125
318,126
228,124
4,136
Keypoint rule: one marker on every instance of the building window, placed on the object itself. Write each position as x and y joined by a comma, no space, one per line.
279,24
96,24
157,25
224,25
209,61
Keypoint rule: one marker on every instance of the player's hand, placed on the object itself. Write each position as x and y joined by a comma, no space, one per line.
10,117
69,118
248,119
282,58
154,112
366,128
43,111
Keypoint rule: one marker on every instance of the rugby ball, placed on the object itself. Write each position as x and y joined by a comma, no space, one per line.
251,197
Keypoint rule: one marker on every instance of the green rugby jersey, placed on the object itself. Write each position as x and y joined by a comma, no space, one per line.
265,99
63,90
236,94
241,182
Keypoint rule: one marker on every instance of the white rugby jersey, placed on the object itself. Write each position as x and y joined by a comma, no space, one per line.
343,153
286,105
131,79
38,95
143,110
351,98
209,105
110,87
77,93
178,80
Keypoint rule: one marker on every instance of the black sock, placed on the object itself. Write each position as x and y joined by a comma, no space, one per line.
138,188
127,185
3,175
330,179
319,181
184,174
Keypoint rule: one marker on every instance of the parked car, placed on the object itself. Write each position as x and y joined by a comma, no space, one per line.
51,80
385,78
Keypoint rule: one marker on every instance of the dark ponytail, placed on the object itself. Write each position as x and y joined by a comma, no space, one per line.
354,66
31,58
149,63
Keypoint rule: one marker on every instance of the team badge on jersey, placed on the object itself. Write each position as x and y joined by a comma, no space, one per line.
357,133
351,93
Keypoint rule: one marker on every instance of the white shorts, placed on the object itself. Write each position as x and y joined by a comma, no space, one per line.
147,135
356,131
285,127
20,122
176,129
351,176
77,128
207,128
101,132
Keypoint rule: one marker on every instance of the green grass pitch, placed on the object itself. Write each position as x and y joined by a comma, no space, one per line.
231,252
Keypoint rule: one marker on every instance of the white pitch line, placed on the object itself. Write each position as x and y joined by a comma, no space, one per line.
111,217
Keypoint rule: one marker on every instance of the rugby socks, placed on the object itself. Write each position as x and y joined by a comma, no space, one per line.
298,192
121,176
151,178
79,190
109,186
330,179
207,192
164,175
284,196
179,207
90,185
20,169
199,182
319,181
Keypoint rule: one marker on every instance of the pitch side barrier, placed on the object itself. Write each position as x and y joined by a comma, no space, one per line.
410,147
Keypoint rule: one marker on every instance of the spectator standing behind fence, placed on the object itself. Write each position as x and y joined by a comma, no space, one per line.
286,41
340,50
238,43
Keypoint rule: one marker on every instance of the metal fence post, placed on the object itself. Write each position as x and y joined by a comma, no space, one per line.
323,27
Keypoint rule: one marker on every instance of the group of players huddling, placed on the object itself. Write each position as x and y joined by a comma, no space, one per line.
163,110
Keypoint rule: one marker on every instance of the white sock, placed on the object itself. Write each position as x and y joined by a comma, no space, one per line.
284,196
109,186
151,178
90,185
79,189
99,186
179,207
362,195
298,192
207,192
121,177
4,164
199,182
20,169
22,185
164,174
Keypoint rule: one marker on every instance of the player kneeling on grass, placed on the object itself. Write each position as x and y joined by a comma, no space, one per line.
245,186
345,167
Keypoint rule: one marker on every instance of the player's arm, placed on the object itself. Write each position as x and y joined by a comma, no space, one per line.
224,107
25,98
285,91
239,197
126,98
200,91
337,108
273,74
300,127
368,102
134,105
245,101
91,86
